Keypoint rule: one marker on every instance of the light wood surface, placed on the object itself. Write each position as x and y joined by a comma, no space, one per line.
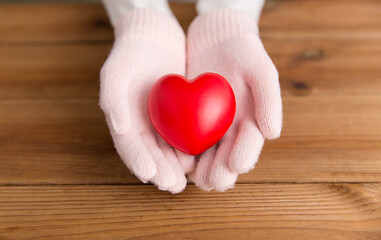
60,177
255,211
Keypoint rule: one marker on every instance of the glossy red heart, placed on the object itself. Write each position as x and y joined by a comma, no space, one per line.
192,116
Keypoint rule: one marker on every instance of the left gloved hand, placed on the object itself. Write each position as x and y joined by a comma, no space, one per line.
226,41
148,44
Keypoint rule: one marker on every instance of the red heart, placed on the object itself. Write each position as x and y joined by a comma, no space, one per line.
193,115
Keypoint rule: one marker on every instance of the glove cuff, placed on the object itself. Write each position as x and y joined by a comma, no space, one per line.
145,24
217,26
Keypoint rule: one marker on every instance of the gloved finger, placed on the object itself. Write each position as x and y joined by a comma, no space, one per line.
187,162
200,176
165,177
113,92
221,177
171,158
135,155
263,79
247,147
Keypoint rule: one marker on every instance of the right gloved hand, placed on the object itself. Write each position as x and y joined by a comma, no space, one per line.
148,45
226,41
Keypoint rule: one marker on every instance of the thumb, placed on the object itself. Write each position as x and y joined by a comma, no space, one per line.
118,120
264,83
114,102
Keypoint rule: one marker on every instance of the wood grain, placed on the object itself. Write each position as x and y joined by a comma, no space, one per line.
51,71
321,19
282,19
325,139
53,22
65,22
327,67
255,211
306,67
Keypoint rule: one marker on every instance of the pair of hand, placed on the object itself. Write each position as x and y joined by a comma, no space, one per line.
148,45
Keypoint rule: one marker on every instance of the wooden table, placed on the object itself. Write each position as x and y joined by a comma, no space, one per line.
60,177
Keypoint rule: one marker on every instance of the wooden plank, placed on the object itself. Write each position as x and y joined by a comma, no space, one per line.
263,211
306,67
284,19
321,19
53,22
51,71
329,138
320,67
65,22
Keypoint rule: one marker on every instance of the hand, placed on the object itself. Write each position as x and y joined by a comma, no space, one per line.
147,45
226,41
